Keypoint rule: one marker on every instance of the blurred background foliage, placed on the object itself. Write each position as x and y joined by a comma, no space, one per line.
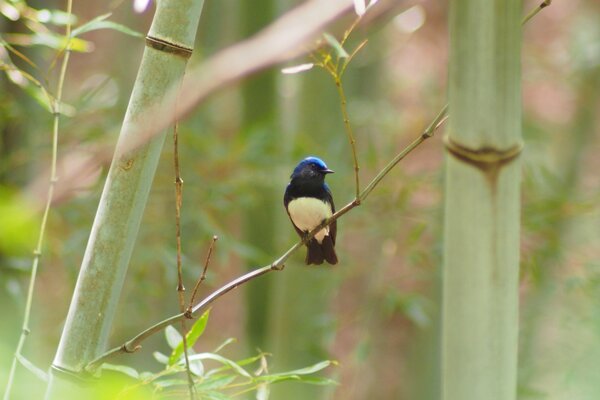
377,312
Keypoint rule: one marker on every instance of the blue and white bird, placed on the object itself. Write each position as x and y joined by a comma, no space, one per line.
308,202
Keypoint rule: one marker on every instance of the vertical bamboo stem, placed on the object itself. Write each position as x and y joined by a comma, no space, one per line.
481,232
116,224
37,253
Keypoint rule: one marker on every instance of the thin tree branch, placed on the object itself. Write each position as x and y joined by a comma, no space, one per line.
349,133
180,286
37,253
202,276
536,10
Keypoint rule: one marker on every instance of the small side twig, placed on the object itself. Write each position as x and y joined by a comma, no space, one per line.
336,70
202,277
536,10
349,133
180,286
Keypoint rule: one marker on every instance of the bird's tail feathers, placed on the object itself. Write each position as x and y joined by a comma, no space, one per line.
328,250
319,252
314,255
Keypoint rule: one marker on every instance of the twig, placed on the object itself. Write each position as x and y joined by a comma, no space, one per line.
37,253
180,287
536,10
202,276
336,71
178,203
349,133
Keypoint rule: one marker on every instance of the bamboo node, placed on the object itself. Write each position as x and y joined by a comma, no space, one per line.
168,47
484,157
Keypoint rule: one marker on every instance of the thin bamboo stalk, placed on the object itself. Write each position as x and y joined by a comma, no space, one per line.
259,111
37,253
170,40
481,227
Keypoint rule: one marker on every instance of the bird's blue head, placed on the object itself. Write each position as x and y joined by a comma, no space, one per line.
311,167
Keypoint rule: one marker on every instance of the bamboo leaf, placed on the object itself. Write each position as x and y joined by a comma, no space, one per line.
263,391
217,382
55,17
336,45
197,367
161,358
360,7
100,22
173,337
297,68
165,383
124,369
225,361
191,337
308,370
32,368
212,395
243,362
50,40
227,342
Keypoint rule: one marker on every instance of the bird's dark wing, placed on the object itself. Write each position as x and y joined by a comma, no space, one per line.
287,196
333,225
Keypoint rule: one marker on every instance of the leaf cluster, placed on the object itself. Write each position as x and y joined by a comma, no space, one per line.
215,376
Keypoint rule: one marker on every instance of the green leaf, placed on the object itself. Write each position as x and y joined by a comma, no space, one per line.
173,337
101,23
160,357
225,343
48,39
55,17
32,368
309,370
170,382
191,337
122,369
337,46
225,361
298,374
19,224
316,380
197,367
212,395
242,362
263,391
217,382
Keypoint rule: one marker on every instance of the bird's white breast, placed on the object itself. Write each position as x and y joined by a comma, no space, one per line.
307,212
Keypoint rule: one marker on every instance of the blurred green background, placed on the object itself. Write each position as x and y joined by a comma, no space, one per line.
377,312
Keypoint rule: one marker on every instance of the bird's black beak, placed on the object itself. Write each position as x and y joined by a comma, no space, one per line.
328,171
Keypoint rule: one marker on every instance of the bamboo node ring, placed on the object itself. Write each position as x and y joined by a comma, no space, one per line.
168,47
484,157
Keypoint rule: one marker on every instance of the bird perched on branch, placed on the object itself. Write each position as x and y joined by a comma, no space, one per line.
308,202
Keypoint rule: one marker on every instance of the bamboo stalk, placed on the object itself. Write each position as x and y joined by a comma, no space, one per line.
37,253
481,227
169,43
259,115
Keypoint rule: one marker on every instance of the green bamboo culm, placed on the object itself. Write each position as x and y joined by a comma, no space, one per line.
259,99
481,222
170,40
